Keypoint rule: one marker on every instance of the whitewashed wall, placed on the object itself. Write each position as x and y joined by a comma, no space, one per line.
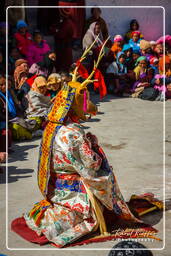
150,19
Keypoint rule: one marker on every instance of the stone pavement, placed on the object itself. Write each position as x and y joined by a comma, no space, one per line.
131,133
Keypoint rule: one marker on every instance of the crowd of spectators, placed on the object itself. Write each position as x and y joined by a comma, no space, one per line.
132,66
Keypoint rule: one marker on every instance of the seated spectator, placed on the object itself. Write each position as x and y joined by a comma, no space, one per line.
127,49
37,49
116,72
134,42
117,45
134,26
23,38
21,73
44,67
154,63
158,50
54,84
160,87
159,44
167,73
12,112
38,106
146,49
96,12
143,74
135,55
153,45
14,55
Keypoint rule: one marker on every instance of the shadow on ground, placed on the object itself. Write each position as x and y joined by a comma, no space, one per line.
14,174
20,152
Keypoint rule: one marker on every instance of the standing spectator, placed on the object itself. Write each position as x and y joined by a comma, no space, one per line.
44,67
134,25
37,49
23,38
96,12
63,40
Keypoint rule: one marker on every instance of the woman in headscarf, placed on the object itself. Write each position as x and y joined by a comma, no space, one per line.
20,73
91,34
54,84
143,75
93,31
36,112
44,67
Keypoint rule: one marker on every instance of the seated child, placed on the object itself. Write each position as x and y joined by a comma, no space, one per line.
134,42
116,74
117,45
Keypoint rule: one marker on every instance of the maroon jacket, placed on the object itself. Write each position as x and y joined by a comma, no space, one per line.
23,42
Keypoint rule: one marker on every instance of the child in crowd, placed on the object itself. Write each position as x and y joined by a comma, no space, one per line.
127,49
37,49
134,42
135,55
23,38
134,26
116,74
44,67
53,84
117,45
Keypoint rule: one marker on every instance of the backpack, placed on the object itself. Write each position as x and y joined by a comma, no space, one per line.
149,93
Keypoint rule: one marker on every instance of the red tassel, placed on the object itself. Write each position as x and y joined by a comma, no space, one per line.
82,70
100,83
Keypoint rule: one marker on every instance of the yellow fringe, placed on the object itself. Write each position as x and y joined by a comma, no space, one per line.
98,212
